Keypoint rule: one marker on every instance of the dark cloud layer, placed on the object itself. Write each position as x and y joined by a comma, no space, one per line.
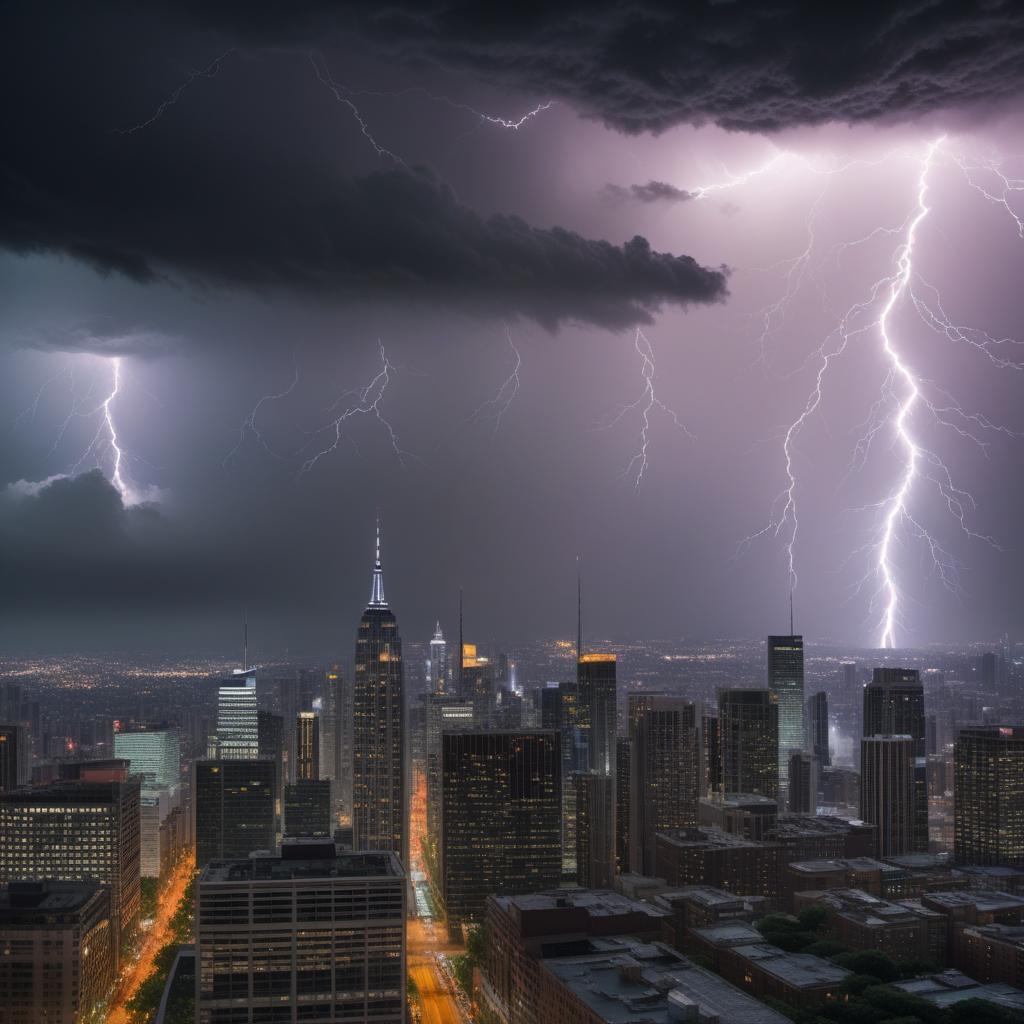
754,65
253,189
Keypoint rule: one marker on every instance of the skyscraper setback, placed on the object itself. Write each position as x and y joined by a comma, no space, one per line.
786,681
379,791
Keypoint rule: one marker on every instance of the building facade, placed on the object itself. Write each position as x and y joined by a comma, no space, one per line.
748,727
235,802
786,681
887,792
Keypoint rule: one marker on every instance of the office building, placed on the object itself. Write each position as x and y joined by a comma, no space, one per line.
595,830
664,772
235,804
57,952
237,717
380,799
335,951
596,693
740,814
988,795
272,745
437,664
817,727
477,685
803,783
307,746
500,828
307,808
786,681
560,710
748,728
711,757
623,756
84,827
154,754
443,712
894,706
887,792
15,757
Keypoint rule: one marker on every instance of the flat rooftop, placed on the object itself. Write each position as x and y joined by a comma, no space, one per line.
597,902
951,987
984,900
820,867
708,838
704,896
729,933
801,970
25,899
637,983
293,867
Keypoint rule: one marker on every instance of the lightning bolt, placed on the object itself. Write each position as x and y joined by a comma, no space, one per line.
249,423
497,405
210,71
367,403
647,402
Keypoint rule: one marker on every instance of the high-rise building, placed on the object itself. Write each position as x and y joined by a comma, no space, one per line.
154,752
595,829
444,712
15,757
560,710
595,680
340,689
622,804
817,727
57,953
748,731
379,793
335,952
237,717
500,828
272,745
477,685
307,808
84,827
988,794
803,783
235,808
664,772
887,792
437,665
894,706
987,671
307,746
786,681
710,756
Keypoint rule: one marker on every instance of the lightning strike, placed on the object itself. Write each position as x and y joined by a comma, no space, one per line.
367,403
210,71
249,423
497,405
647,402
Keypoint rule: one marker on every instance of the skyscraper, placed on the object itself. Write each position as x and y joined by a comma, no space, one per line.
307,808
237,716
154,752
595,829
379,791
817,727
887,792
437,666
988,794
307,746
894,706
235,808
748,731
786,681
560,711
500,829
622,808
598,722
664,772
803,783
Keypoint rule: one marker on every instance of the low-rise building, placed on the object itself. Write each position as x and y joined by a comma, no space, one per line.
951,987
991,952
749,815
629,981
768,972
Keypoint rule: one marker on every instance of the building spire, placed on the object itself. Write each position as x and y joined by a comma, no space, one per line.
377,599
791,633
579,611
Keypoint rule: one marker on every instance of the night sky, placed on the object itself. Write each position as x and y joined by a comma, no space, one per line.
314,242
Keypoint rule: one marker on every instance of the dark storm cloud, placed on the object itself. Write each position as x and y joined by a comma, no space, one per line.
652,192
760,65
251,190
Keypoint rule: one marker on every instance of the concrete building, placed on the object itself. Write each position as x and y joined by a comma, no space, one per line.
310,935
740,814
57,951
951,987
82,828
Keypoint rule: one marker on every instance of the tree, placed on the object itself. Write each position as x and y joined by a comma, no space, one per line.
869,961
813,919
980,1011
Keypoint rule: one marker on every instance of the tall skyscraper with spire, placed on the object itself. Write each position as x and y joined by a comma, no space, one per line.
379,791
437,667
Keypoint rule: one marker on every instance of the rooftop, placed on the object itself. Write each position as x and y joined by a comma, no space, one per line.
30,898
636,983
951,987
729,933
801,970
597,902
707,837
304,859
983,900
872,911
817,867
921,861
